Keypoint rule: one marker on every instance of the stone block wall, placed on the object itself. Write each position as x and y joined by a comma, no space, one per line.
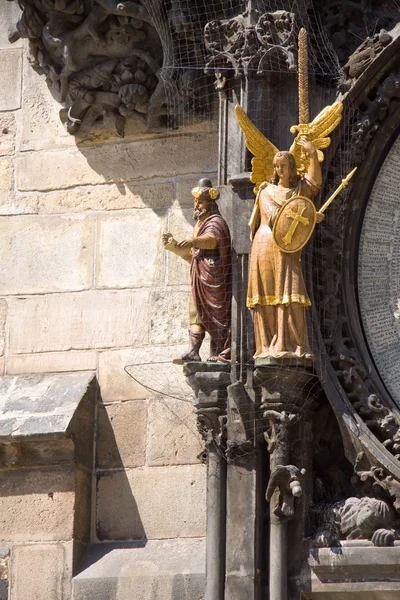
85,286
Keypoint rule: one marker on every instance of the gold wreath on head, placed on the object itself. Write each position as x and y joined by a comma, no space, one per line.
198,191
264,151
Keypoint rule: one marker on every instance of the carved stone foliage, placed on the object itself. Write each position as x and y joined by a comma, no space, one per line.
209,382
235,48
365,54
114,57
365,505
346,22
337,319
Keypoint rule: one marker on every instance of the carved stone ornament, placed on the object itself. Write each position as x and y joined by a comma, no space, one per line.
372,515
346,22
357,519
366,54
367,415
114,58
353,374
235,47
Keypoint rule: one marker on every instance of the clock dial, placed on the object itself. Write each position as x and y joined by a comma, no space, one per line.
379,272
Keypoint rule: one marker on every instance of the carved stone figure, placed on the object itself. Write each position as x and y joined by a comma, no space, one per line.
112,58
276,291
209,253
358,519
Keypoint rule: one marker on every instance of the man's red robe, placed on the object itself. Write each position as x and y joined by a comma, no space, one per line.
211,276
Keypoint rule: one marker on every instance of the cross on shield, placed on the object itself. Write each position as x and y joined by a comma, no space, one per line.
294,224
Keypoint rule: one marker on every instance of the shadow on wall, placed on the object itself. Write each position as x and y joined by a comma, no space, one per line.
117,514
145,158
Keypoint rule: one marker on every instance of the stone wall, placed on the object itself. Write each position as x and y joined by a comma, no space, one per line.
86,286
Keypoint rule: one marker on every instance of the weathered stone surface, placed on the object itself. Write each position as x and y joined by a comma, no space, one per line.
121,435
160,156
149,366
8,130
5,175
173,438
9,15
11,70
82,508
130,250
33,405
12,203
41,125
37,572
2,366
52,362
156,570
45,254
95,319
3,317
37,505
4,571
169,315
107,197
355,573
152,503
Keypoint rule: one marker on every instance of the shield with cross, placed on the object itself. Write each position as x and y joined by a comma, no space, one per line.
294,224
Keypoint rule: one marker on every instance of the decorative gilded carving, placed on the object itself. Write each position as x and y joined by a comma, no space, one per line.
284,182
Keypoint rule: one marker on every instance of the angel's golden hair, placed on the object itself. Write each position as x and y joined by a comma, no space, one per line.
293,177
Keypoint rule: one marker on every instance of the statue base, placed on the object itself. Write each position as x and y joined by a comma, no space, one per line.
283,362
205,367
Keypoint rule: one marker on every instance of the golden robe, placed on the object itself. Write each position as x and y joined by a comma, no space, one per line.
276,292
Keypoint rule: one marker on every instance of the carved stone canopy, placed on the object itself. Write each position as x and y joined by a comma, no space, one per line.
235,47
119,58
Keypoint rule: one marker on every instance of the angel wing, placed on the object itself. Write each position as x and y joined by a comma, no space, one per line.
262,149
317,132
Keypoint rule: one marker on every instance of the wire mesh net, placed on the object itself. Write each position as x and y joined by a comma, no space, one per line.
212,45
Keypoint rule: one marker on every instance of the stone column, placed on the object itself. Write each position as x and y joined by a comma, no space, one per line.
209,382
288,403
256,76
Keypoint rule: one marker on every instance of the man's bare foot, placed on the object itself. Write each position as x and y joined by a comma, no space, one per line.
212,359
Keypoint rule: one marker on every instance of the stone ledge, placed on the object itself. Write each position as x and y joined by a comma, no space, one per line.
154,570
347,573
38,418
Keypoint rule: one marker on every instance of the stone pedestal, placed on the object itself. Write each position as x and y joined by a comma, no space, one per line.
46,463
288,402
209,382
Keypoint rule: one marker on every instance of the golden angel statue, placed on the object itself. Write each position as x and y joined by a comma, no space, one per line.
282,221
